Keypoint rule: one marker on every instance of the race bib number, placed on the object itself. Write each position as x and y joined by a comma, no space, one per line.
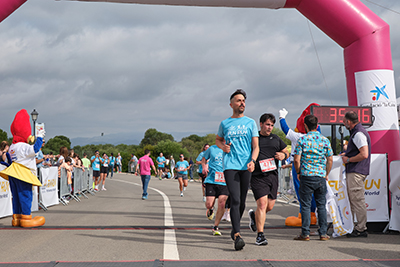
97,166
181,169
219,177
105,165
267,165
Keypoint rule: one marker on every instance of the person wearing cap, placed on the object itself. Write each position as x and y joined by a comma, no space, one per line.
238,138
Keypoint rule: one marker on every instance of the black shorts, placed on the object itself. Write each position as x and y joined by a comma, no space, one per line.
181,175
216,190
103,169
160,168
264,186
96,173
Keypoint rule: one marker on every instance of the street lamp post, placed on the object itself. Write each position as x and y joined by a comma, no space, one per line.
34,115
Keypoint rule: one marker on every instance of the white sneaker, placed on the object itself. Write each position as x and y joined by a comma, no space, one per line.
204,199
228,217
104,189
184,188
223,219
181,194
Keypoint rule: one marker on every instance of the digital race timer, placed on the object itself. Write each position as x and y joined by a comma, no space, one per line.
334,115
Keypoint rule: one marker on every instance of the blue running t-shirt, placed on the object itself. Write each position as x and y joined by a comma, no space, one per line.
215,171
239,132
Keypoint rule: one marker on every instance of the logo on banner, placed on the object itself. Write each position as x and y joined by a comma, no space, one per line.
378,92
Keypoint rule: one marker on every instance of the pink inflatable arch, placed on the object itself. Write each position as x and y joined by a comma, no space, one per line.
364,37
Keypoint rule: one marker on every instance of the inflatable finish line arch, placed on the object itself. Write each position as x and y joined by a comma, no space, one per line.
364,37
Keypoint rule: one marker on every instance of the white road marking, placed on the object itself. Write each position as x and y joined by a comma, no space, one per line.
170,246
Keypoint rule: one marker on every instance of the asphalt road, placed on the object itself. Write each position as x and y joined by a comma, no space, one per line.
116,227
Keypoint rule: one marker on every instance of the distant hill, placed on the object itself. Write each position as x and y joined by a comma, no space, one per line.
114,139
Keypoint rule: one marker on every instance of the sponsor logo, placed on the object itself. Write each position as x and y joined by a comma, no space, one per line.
377,92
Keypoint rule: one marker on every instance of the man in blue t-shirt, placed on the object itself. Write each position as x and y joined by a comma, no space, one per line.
238,137
96,163
111,165
160,162
215,185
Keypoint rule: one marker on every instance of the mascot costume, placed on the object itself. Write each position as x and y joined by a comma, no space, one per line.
293,136
22,171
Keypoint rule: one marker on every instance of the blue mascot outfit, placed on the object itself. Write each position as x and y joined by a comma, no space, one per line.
22,172
293,136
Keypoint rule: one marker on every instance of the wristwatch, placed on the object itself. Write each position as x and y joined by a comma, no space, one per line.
348,160
253,161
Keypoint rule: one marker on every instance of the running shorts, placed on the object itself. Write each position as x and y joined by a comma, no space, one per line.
216,190
264,186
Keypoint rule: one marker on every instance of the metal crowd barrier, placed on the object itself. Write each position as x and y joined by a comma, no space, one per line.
82,184
285,187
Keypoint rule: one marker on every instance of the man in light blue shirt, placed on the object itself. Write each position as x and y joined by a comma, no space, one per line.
160,162
215,185
238,138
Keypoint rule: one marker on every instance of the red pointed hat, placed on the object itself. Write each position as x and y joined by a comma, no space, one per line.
300,121
21,127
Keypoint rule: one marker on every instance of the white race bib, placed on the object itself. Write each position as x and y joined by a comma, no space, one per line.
97,166
267,165
219,177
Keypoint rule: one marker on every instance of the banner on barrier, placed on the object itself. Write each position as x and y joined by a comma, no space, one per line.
49,186
5,198
395,189
376,197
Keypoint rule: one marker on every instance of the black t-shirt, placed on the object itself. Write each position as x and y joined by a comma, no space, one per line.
269,145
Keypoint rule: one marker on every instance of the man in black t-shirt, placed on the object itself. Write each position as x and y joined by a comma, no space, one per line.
264,179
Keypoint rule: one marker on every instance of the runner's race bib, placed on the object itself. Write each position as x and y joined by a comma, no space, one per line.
97,166
105,164
267,165
219,177
181,169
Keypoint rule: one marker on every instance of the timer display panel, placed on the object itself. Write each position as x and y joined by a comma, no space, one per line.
333,115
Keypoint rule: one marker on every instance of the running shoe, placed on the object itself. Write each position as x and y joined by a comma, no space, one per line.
184,188
144,197
181,194
261,240
204,199
228,217
191,180
104,189
210,214
216,231
223,219
96,189
252,217
239,243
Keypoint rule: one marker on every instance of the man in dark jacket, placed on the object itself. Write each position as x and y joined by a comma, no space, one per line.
357,159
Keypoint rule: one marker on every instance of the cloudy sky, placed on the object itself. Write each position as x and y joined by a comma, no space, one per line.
119,69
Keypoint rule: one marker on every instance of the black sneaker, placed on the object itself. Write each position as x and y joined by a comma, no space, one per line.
261,240
356,233
239,243
252,217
